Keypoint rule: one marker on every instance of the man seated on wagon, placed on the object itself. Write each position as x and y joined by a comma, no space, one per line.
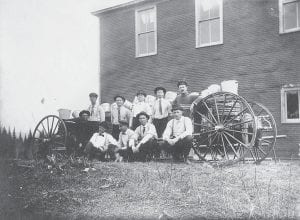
100,144
96,111
177,136
146,139
118,113
126,142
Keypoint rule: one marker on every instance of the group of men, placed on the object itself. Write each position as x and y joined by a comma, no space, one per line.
141,133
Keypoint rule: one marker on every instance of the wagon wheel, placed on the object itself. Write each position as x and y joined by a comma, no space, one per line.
225,128
266,132
49,139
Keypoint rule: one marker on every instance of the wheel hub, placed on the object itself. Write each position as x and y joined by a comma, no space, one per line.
219,127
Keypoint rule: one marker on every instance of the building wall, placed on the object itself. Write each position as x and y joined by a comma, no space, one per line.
254,53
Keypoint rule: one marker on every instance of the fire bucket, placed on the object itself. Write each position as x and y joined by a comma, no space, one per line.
64,113
214,88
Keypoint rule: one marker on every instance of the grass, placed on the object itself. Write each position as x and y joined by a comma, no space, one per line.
147,190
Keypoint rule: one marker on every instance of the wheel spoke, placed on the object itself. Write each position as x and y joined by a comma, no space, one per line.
205,118
224,148
217,109
208,136
226,122
44,129
236,139
210,112
48,127
223,107
52,125
199,124
56,126
201,133
232,147
230,109
240,123
241,132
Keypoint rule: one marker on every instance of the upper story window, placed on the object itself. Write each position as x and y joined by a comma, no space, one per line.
145,31
289,15
209,22
290,104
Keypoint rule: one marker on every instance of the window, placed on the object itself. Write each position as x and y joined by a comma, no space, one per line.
290,105
289,15
145,29
209,22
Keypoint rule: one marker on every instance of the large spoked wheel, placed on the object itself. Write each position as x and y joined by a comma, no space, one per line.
266,132
50,139
225,128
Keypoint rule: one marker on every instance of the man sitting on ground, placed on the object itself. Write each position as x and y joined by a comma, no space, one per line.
178,135
126,142
146,138
100,144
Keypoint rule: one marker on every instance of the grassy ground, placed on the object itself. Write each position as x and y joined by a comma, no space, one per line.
147,190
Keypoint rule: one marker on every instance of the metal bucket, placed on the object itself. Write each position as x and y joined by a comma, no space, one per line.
230,86
214,88
64,113
75,113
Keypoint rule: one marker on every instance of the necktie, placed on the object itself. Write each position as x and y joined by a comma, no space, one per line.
119,114
144,129
160,107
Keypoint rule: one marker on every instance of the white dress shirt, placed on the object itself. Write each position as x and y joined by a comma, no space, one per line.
125,114
97,113
126,139
166,108
145,133
179,128
141,107
102,141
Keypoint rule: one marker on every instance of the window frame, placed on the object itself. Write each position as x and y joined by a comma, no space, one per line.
281,17
283,92
197,20
137,10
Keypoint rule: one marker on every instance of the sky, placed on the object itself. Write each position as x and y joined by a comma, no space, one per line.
49,57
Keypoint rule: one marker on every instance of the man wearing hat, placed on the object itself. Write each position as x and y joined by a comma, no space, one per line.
177,137
119,112
184,99
160,111
101,143
96,111
126,142
146,138
139,106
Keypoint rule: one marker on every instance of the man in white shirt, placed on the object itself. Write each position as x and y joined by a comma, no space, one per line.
126,142
96,111
161,111
101,143
146,139
138,107
177,136
118,113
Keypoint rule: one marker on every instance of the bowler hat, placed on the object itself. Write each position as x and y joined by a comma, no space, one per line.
84,112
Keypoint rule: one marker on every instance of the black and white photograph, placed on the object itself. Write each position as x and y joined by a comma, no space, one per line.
149,109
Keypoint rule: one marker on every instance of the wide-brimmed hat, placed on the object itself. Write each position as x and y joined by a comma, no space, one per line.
142,113
124,122
177,107
93,94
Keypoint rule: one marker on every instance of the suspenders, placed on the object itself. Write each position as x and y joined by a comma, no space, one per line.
172,134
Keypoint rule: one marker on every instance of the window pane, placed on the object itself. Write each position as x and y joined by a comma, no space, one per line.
215,9
292,101
142,21
142,43
290,15
204,6
151,19
204,32
215,30
151,42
